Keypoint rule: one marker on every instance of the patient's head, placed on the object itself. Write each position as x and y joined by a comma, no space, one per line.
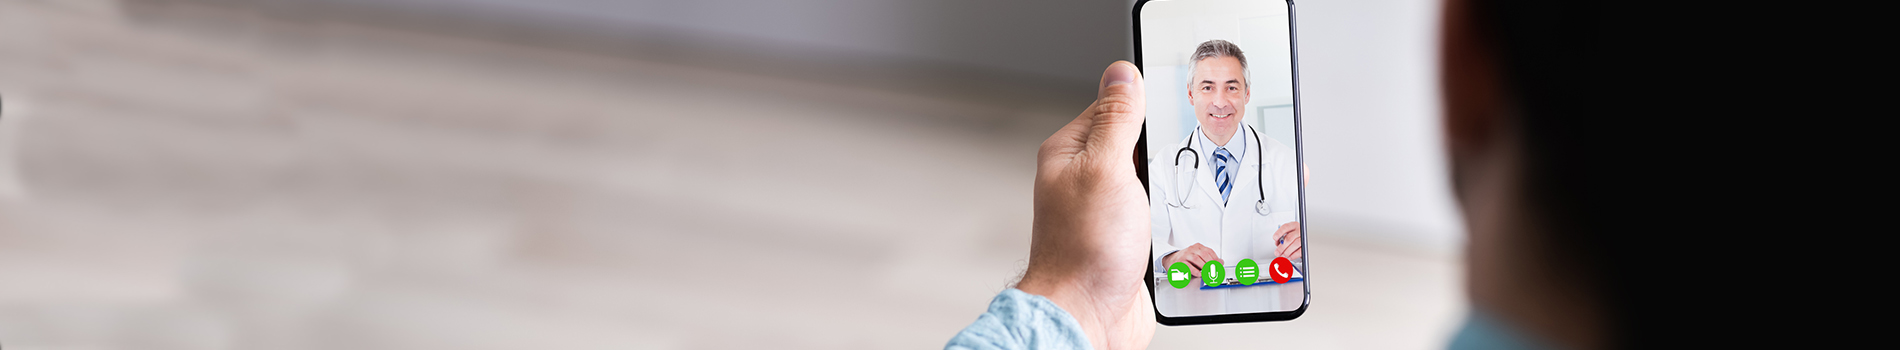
1550,203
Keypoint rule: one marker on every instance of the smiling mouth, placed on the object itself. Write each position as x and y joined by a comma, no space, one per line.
1221,116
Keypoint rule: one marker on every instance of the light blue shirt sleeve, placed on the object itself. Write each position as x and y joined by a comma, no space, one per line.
1482,332
1018,320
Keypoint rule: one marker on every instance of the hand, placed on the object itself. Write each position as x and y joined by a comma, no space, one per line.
1195,256
1089,246
1287,242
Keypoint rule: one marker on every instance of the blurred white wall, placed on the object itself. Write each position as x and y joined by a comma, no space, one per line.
1367,74
1366,70
1369,94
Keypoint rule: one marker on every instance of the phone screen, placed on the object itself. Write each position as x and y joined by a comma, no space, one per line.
1221,149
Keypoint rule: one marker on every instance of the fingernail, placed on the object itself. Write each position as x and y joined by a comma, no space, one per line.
1119,74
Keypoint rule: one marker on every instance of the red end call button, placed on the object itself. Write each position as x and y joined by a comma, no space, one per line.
1281,270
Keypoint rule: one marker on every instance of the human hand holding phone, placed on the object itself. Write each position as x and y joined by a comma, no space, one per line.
1089,242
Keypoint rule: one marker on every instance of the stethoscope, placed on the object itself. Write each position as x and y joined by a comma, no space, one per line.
1180,196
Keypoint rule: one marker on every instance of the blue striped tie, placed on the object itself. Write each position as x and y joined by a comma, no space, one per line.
1223,174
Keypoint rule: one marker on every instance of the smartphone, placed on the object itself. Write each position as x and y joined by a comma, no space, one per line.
1220,158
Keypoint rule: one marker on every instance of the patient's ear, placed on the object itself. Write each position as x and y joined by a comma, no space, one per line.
1471,82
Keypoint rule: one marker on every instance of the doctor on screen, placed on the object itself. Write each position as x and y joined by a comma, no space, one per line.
1228,192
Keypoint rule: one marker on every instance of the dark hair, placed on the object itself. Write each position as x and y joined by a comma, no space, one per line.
1557,72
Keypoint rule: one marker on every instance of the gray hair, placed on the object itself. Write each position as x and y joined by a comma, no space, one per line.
1215,49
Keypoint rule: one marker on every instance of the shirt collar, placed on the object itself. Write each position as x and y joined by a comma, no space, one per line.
1236,145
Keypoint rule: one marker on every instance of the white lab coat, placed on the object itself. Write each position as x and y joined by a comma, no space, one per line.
1234,231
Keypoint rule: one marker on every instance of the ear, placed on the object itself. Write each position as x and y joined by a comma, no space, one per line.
1471,82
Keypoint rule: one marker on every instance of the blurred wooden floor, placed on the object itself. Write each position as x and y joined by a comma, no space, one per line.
205,179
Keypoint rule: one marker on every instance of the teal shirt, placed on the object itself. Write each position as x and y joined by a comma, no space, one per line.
1018,320
1481,332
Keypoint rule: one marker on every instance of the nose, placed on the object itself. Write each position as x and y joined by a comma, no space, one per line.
1222,106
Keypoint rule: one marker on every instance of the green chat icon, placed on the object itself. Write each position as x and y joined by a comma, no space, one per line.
1247,271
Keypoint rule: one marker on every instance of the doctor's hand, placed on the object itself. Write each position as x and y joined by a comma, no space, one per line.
1287,243
1196,256
1089,245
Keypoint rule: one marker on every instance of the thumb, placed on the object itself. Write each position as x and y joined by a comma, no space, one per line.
1120,105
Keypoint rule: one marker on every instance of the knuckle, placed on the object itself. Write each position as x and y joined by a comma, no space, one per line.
1119,90
1047,147
1115,104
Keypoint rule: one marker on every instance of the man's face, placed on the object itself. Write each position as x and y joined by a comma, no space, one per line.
1218,92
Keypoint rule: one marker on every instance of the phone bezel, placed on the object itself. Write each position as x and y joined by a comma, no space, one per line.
1299,156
